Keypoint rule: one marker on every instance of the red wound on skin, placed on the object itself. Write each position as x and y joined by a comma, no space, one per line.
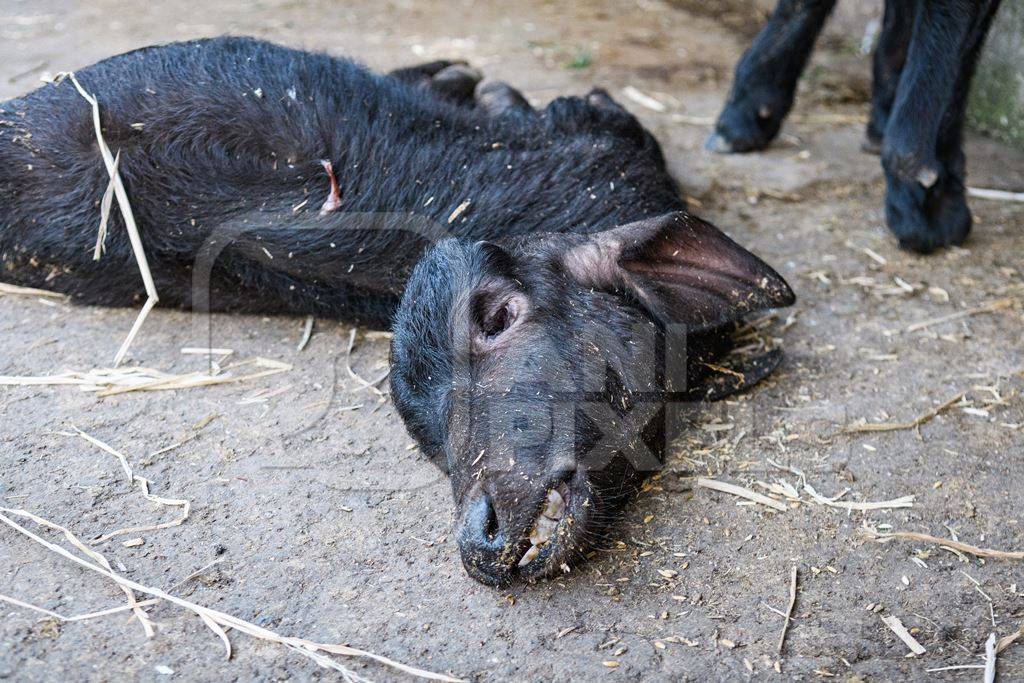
333,201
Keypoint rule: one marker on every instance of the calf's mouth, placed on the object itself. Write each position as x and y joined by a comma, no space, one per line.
552,521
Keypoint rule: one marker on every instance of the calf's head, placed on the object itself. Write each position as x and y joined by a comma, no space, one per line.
536,373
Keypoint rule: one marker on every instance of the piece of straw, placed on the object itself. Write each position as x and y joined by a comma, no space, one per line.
371,385
78,617
1009,640
998,195
903,634
990,307
307,332
15,290
896,426
129,222
724,487
903,502
789,610
105,206
305,647
147,625
990,659
946,543
144,488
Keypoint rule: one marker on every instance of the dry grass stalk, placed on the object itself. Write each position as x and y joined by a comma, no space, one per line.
105,205
903,634
897,426
205,351
129,221
372,384
724,487
15,290
216,620
835,118
990,659
902,502
789,610
101,561
998,195
78,617
1009,640
945,543
307,332
643,99
143,484
111,381
990,307
458,211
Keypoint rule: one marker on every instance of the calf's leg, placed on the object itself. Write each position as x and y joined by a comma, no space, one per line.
922,152
766,77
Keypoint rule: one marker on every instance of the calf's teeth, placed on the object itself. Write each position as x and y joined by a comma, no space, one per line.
544,527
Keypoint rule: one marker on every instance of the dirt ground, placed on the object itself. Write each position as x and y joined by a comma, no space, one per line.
327,525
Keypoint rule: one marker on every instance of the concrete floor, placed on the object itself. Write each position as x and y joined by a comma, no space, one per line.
328,527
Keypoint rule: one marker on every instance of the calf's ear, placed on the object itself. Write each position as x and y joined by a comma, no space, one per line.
681,269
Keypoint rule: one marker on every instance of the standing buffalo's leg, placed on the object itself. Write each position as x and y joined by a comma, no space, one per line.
889,58
766,76
922,148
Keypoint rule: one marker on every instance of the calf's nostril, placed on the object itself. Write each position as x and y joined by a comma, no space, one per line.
480,527
491,522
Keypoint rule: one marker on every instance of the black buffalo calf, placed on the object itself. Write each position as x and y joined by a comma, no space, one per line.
923,65
538,267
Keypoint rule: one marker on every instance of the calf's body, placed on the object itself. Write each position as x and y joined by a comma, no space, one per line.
227,136
548,294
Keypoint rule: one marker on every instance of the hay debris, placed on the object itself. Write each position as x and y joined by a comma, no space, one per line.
903,634
216,620
789,610
1007,641
944,543
732,489
112,381
307,332
990,307
126,214
997,195
643,99
862,506
101,562
897,426
458,211
367,384
78,617
15,290
990,659
143,484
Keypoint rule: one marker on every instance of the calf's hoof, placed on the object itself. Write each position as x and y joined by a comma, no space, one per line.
496,98
456,82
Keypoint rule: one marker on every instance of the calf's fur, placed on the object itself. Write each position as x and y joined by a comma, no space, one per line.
518,255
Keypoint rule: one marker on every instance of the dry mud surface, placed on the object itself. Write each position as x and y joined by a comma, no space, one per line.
329,527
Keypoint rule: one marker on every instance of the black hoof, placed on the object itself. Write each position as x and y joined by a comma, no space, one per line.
871,144
456,82
496,98
422,72
927,218
747,124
